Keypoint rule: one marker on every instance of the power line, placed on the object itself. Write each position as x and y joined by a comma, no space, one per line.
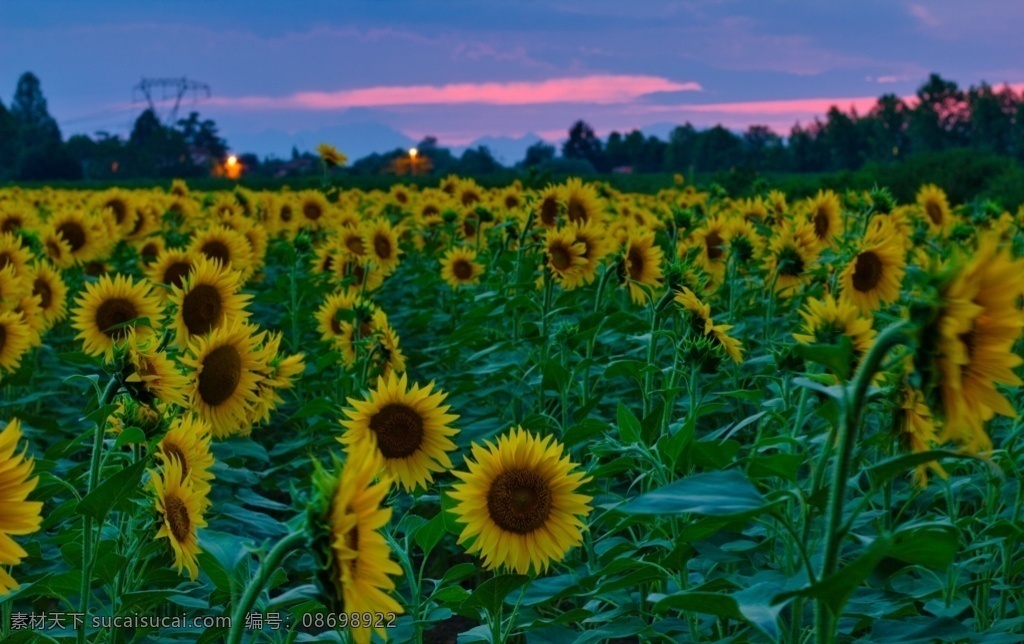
170,88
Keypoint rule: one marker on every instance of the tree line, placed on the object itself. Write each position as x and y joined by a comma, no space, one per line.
940,117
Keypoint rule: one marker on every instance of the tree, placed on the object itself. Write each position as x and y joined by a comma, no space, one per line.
842,137
941,118
888,122
763,148
8,143
679,153
585,145
806,148
202,136
718,149
538,153
37,128
476,161
991,118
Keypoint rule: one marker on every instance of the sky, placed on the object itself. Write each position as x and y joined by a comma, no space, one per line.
371,75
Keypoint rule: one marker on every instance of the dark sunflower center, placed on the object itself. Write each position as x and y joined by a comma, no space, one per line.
220,375
176,273
42,288
635,263
713,242
549,211
829,332
468,229
201,309
469,198
560,257
140,219
511,202
177,516
970,340
119,209
519,501
312,211
401,197
431,211
10,225
148,252
867,271
462,269
73,234
218,250
790,262
54,250
286,213
355,244
5,260
577,211
113,312
336,323
934,212
173,451
382,246
327,264
822,224
3,338
399,430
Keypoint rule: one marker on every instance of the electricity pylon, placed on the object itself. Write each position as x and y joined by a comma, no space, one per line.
175,88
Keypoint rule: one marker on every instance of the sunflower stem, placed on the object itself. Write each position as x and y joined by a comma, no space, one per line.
94,474
284,547
849,424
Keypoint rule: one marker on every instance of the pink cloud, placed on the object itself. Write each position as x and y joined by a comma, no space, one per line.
923,15
601,90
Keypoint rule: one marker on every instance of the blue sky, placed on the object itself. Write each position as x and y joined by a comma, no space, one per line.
374,74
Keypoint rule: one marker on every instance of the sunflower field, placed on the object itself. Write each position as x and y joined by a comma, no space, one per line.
519,414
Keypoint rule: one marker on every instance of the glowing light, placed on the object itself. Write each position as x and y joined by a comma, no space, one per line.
413,152
232,160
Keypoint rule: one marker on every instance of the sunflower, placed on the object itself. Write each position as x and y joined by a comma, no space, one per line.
935,207
827,319
873,276
564,254
313,208
978,327
790,255
918,432
14,254
389,354
351,241
459,268
15,219
409,427
57,250
382,241
711,240
225,245
582,203
468,192
188,441
12,287
170,268
519,502
181,507
330,155
102,314
224,368
357,562
149,249
705,325
119,205
744,242
18,516
823,212
549,206
642,265
333,313
208,300
80,232
151,374
595,247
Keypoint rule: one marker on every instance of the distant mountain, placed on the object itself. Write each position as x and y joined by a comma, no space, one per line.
356,140
506,150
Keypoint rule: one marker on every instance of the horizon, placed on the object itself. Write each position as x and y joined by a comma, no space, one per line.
466,73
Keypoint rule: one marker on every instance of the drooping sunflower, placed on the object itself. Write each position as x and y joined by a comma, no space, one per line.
103,313
874,275
151,374
935,207
209,299
388,354
642,265
223,370
381,240
564,254
827,319
744,242
519,502
354,556
409,427
170,268
459,268
181,507
330,155
703,324
188,441
18,515
918,432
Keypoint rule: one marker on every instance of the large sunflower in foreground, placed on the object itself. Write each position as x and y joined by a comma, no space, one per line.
978,327
409,427
459,267
874,275
519,502
181,508
103,312
355,558
224,368
207,300
642,265
15,340
18,516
